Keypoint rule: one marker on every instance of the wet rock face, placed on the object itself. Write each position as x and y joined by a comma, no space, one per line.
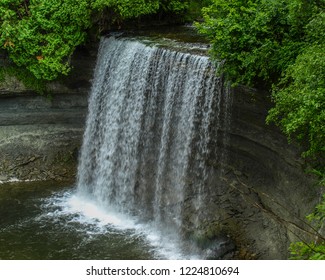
38,139
40,136
259,194
39,152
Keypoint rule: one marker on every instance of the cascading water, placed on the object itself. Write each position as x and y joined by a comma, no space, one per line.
148,132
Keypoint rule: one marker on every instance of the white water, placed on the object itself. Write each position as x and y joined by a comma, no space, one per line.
85,216
147,140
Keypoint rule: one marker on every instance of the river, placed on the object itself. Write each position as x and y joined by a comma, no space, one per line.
46,220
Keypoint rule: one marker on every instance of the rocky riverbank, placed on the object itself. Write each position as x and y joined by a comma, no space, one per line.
40,136
40,142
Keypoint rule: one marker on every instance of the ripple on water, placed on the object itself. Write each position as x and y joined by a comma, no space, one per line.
41,221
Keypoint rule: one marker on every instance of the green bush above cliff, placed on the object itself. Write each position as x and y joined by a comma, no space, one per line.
41,35
278,44
299,96
135,8
128,8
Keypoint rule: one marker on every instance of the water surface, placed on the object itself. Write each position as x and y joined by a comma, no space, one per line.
45,220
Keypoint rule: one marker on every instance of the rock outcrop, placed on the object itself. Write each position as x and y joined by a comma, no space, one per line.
40,135
260,191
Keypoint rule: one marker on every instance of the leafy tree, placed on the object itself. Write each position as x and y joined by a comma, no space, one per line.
136,8
256,39
300,95
313,250
277,43
128,8
41,35
300,106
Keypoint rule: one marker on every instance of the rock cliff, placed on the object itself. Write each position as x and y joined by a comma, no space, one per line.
40,135
261,192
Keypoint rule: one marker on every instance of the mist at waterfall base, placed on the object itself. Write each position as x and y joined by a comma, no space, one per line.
142,166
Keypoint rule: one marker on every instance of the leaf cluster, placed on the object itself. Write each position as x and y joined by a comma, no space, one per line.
278,44
135,8
299,96
257,39
20,74
41,35
313,250
128,8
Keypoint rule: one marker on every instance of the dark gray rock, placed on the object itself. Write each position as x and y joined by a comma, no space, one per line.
265,193
44,133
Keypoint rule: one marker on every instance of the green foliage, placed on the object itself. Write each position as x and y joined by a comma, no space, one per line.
41,35
256,39
278,43
299,106
315,250
318,216
135,8
194,9
24,76
177,6
128,8
311,251
300,95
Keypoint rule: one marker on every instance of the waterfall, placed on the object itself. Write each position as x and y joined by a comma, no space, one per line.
148,134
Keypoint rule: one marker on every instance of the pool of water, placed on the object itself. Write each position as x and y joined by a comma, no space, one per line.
49,221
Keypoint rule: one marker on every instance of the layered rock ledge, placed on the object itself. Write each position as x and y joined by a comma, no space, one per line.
40,136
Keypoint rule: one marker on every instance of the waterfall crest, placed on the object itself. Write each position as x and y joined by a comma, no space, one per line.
153,114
